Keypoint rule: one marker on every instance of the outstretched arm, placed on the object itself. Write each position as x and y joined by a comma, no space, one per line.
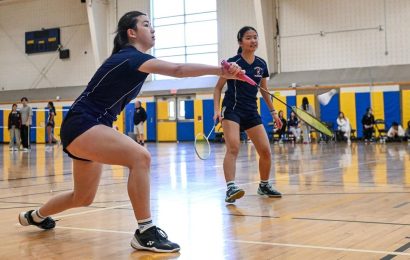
182,70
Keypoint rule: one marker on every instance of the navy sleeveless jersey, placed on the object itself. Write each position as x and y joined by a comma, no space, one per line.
241,95
113,86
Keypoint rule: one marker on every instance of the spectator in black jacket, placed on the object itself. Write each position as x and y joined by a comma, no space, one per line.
368,124
139,118
14,126
293,126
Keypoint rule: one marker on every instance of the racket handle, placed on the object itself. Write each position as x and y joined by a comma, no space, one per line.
243,77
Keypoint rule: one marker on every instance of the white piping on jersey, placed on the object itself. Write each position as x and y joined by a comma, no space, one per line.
98,83
106,112
234,84
261,61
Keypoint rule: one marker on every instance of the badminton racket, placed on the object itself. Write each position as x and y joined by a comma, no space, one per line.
202,145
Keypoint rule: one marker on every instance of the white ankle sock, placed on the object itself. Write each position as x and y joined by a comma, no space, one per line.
37,217
144,224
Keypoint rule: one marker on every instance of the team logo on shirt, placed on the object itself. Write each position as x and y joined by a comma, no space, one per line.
258,72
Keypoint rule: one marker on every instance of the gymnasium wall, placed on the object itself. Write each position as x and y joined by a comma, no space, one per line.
388,103
351,33
232,15
21,71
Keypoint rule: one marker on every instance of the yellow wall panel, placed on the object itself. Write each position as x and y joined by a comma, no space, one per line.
41,126
310,97
58,119
162,110
278,105
167,131
405,106
6,134
120,122
348,107
377,105
198,117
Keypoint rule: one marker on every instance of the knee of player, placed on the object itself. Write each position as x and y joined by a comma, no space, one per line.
265,153
83,200
141,159
232,150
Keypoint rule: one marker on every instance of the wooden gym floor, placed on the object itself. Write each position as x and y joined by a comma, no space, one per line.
339,202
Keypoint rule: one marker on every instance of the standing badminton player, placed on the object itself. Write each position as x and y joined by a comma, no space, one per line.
88,137
240,112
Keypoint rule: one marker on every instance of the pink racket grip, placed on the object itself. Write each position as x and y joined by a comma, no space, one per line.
243,77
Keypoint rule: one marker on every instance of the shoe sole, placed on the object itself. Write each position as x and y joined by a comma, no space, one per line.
137,246
22,217
270,196
235,196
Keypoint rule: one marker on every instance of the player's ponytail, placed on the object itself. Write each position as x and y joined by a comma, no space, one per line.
127,21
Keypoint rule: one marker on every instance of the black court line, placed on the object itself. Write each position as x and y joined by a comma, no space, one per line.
355,221
400,249
46,176
245,215
19,207
38,193
48,183
36,177
401,205
18,202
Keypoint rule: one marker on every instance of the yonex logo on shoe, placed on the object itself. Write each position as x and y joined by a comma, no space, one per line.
150,243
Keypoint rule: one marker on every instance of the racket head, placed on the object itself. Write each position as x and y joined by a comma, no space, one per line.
202,146
312,121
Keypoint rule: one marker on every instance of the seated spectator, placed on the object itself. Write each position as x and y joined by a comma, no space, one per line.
343,125
293,126
407,134
395,133
280,131
368,125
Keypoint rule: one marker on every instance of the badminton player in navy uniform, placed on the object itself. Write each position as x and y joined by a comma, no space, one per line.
240,112
88,137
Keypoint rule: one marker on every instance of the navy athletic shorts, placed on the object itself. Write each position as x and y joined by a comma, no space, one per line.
75,124
245,119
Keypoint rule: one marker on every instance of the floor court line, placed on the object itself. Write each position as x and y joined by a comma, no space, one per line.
259,243
90,211
320,247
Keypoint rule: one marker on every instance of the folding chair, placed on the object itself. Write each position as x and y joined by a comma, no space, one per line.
381,129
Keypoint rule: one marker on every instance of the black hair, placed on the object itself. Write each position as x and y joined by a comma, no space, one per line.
23,98
241,33
340,112
13,105
368,109
305,103
408,124
127,21
395,124
51,104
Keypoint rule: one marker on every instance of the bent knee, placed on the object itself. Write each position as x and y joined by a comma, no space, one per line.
83,201
140,159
